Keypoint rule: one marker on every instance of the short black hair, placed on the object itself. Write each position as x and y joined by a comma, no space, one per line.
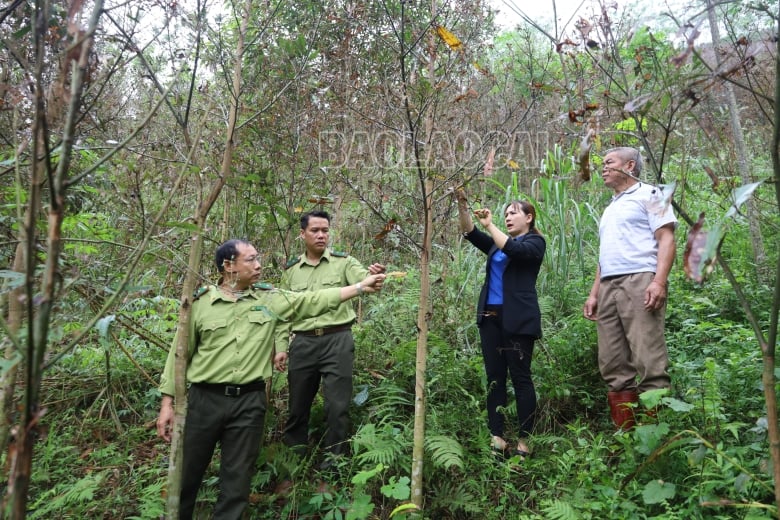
316,214
227,251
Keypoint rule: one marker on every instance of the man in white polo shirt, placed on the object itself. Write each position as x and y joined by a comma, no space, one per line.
628,297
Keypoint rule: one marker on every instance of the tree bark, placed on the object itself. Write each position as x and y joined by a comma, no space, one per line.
8,380
740,148
40,302
768,348
424,310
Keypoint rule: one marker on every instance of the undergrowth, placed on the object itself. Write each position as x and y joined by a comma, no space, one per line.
701,454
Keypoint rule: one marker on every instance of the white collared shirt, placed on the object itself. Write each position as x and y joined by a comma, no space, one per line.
627,231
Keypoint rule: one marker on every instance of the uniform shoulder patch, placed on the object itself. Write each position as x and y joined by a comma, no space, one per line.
292,261
200,292
339,254
263,286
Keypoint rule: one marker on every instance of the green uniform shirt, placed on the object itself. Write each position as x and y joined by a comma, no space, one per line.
334,270
232,342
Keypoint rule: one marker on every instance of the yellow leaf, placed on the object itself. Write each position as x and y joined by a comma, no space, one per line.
513,165
450,39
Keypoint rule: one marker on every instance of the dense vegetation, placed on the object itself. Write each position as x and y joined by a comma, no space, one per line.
365,109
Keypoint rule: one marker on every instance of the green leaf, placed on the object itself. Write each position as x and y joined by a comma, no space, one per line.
741,482
657,491
678,405
361,507
364,476
651,398
8,364
559,510
317,499
22,32
697,455
104,324
740,196
397,488
13,279
649,437
403,508
445,451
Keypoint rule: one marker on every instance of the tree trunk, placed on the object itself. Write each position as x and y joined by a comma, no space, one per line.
8,380
40,302
743,162
768,348
770,396
423,319
424,312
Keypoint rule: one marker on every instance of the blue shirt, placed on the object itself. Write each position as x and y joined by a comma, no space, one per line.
496,283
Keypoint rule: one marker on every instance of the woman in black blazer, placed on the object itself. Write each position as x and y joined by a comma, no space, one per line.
508,313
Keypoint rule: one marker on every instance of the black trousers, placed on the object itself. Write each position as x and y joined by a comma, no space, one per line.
236,423
313,360
505,353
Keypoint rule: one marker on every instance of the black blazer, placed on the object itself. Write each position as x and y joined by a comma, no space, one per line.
520,313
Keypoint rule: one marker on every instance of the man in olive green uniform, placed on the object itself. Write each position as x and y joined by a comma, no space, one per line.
322,349
231,346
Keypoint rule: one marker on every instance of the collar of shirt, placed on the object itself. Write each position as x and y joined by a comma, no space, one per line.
630,190
215,294
305,259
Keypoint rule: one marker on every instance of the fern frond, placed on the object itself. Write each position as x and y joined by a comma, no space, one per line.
389,402
378,446
445,451
456,497
558,510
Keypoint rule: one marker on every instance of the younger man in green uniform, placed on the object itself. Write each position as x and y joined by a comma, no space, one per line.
231,345
322,348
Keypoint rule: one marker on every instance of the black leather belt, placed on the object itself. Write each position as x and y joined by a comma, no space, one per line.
324,330
613,277
232,390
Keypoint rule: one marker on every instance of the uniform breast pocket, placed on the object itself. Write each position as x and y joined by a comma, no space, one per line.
332,281
260,318
214,334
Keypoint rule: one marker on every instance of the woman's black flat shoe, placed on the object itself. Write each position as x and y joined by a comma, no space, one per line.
517,458
522,454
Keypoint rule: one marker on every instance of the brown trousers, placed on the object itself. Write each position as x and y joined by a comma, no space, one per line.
632,348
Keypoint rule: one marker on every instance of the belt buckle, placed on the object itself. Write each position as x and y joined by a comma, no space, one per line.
319,332
232,390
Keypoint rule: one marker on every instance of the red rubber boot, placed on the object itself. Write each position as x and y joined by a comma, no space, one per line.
620,410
